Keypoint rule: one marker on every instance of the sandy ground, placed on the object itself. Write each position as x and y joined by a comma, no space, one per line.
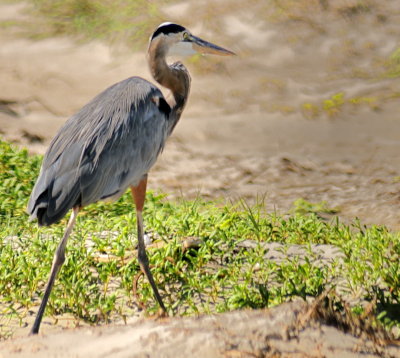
245,132
289,330
248,131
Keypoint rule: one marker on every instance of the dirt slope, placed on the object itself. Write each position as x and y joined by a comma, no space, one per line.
290,330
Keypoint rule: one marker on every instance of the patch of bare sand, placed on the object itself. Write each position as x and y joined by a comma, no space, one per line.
289,330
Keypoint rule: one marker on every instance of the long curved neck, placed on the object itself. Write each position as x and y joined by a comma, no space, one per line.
175,77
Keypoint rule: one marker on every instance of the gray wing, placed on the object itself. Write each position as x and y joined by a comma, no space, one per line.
108,145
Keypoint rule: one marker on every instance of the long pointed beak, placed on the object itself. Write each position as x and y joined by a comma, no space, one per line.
202,46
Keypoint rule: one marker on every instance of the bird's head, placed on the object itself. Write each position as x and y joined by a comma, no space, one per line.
176,40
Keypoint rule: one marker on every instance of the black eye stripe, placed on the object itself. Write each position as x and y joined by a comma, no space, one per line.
168,29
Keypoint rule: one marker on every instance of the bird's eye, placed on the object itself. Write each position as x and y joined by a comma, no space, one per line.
186,36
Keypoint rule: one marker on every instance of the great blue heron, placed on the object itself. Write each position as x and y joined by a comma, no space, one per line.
112,143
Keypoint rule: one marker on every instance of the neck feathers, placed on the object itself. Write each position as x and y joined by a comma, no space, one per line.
175,77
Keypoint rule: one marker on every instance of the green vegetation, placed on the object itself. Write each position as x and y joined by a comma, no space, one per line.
132,21
303,207
227,271
393,64
110,20
334,105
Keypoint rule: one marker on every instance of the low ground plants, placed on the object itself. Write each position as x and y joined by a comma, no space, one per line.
227,269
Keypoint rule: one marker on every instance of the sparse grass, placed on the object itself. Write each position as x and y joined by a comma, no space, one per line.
132,21
303,207
335,105
121,21
228,271
393,65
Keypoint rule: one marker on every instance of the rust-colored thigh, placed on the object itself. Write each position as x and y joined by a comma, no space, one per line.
139,193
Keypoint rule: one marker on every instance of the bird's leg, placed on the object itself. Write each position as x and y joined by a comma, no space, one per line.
139,194
58,260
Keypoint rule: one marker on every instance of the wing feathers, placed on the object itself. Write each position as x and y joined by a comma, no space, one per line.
107,146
